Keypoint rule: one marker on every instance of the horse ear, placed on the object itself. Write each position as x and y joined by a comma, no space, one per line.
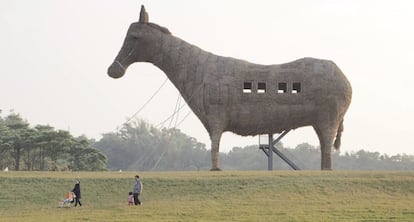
143,15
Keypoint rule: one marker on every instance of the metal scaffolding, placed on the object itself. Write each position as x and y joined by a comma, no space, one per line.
269,148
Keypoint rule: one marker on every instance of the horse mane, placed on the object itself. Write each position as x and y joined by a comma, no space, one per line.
158,27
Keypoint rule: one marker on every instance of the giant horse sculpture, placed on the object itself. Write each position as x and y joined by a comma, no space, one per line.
229,94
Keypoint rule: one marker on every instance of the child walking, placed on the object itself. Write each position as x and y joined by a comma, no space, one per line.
131,199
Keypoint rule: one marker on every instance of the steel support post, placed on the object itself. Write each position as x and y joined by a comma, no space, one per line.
270,157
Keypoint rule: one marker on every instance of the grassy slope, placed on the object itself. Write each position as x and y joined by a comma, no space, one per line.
212,196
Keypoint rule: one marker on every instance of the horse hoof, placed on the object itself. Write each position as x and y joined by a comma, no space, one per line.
215,169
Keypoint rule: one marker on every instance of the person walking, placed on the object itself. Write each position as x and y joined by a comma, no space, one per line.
130,199
137,190
77,192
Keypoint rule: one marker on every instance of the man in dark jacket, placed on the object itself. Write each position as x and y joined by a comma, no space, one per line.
77,192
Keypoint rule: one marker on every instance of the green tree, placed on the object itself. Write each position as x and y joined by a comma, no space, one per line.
140,146
116,148
18,132
29,148
5,145
60,144
83,157
45,136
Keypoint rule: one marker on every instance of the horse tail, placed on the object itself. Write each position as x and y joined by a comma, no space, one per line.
337,142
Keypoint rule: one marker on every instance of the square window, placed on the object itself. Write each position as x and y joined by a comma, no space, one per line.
247,87
282,87
261,87
296,88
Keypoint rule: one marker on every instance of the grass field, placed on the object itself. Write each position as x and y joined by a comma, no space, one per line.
211,196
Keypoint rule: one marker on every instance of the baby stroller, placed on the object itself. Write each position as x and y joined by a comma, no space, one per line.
70,198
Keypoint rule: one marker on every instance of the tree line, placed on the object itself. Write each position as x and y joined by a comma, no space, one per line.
42,147
139,146
308,157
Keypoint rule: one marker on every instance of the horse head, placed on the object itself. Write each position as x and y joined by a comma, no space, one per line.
139,45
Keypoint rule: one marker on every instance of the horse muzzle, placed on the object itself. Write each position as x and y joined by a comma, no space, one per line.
116,70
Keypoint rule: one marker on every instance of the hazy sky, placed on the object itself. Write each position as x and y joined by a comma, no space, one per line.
54,56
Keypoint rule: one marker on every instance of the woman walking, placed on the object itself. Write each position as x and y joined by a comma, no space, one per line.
77,192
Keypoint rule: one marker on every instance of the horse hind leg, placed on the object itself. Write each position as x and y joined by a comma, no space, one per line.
326,137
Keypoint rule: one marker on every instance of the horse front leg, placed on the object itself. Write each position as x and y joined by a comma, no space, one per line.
215,148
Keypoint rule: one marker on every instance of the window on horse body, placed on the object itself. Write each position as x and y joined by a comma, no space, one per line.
261,87
282,87
247,87
296,88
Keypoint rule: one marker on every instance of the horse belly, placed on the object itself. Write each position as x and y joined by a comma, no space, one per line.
254,120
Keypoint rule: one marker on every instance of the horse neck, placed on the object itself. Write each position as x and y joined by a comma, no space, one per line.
180,61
